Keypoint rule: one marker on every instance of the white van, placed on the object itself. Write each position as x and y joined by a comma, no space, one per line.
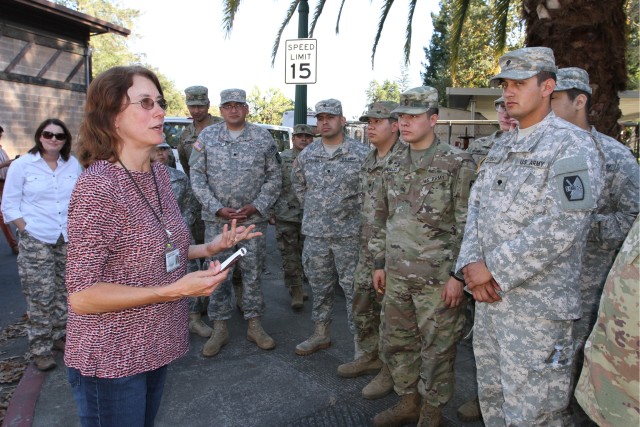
173,127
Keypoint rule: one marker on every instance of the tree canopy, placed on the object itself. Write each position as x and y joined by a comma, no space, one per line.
476,62
387,91
267,108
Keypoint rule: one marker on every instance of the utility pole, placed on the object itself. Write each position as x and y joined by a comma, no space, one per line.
300,111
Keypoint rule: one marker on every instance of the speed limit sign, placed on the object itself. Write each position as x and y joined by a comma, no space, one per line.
301,58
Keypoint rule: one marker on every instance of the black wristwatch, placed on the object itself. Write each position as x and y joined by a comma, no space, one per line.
455,276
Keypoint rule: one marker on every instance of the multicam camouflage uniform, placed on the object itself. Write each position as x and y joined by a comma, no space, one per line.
42,267
181,188
366,301
195,95
423,209
232,173
608,386
529,211
288,216
327,187
188,137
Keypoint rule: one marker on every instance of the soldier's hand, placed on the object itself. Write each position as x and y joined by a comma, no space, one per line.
226,213
246,211
453,293
380,280
475,274
486,292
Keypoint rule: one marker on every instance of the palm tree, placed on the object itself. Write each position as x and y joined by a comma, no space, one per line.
582,33
589,34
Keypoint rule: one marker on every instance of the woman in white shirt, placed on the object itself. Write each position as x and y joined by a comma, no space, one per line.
36,199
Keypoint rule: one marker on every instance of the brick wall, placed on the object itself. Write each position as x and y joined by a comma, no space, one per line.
24,106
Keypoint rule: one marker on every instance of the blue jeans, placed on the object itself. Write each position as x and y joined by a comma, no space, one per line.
131,401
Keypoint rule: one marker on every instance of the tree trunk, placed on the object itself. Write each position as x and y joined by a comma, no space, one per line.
589,34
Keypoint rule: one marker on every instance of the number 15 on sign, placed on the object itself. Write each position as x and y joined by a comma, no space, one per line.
301,59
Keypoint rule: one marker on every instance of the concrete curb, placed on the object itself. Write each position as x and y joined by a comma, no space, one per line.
22,406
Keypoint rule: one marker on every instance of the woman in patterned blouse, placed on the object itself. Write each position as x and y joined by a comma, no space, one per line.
127,257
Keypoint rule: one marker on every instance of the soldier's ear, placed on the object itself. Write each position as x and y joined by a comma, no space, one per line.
580,102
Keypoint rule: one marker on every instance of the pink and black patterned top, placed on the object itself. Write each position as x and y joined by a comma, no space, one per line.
113,237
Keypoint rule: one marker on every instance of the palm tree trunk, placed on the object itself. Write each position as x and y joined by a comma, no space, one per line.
589,34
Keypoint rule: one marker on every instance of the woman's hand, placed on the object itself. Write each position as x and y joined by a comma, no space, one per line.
230,236
200,283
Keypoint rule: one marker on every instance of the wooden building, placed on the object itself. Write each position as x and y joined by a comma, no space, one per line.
45,67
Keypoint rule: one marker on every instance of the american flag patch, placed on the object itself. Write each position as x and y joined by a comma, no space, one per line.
197,146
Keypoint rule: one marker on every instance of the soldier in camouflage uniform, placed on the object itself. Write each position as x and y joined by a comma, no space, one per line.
608,386
382,131
198,104
420,212
529,212
235,174
288,215
181,188
481,146
617,206
325,179
470,411
197,100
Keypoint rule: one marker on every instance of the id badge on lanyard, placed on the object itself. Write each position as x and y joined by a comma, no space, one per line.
172,259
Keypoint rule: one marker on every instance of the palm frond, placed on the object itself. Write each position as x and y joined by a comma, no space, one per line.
501,19
339,15
460,9
316,14
407,42
292,9
229,10
386,6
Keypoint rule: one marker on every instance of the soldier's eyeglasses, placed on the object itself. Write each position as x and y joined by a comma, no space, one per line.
148,103
500,107
50,135
232,106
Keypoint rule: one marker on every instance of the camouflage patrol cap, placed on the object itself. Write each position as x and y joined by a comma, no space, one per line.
572,78
498,101
163,144
417,100
197,95
233,95
329,106
379,110
303,129
522,64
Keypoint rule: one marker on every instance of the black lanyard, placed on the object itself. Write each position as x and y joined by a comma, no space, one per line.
160,221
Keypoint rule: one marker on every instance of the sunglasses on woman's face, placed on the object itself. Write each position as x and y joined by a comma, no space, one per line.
49,135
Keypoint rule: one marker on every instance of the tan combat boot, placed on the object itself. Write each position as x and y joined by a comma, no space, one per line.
297,298
219,338
198,327
319,340
256,334
470,411
407,411
380,386
430,416
368,363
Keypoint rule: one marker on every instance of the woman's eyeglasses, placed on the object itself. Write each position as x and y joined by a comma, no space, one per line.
50,135
148,103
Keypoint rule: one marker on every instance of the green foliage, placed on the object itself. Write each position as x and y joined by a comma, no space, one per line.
267,108
633,44
110,50
476,49
387,91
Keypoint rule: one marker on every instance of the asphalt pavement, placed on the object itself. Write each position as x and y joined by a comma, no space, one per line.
242,385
